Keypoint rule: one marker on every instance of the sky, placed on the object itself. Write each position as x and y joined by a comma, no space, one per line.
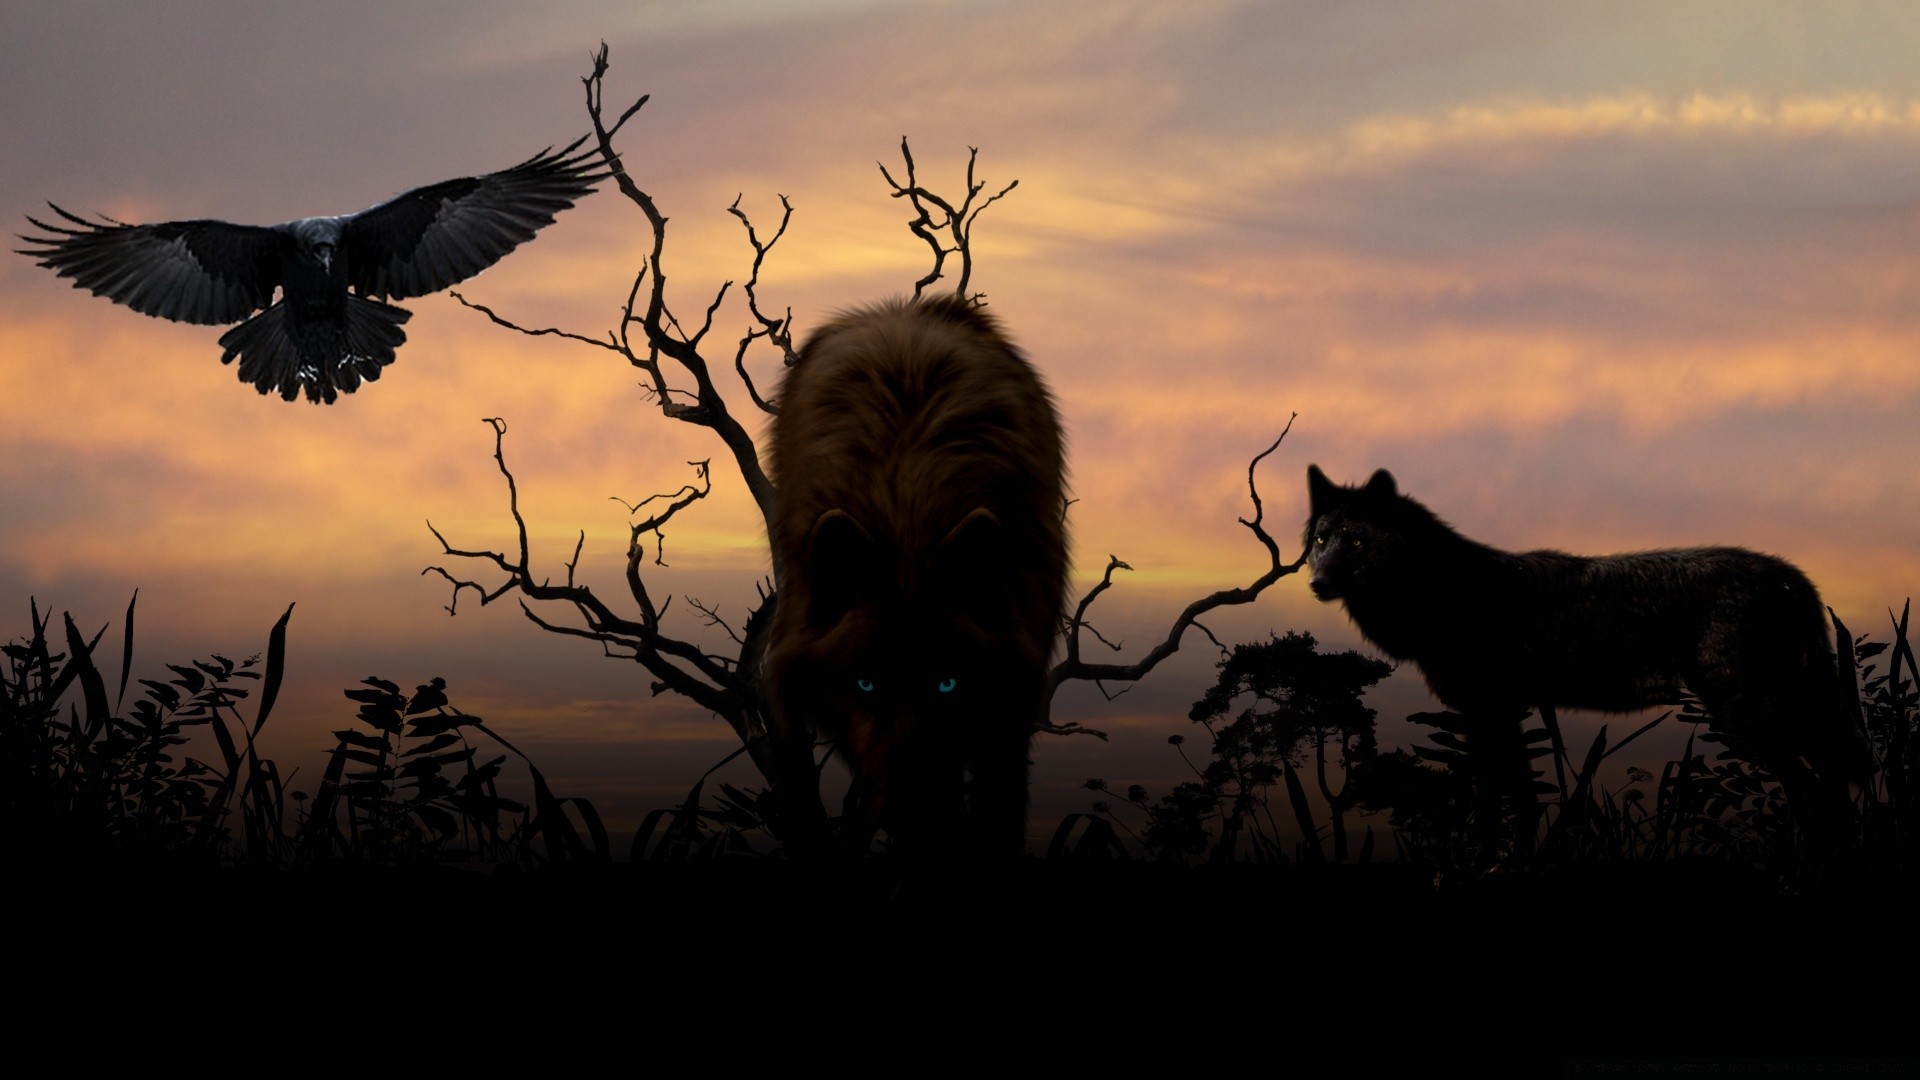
1591,276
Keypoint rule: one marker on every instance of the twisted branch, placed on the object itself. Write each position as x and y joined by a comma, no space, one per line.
1073,667
957,222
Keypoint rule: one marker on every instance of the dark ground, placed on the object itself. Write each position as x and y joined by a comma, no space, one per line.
1128,968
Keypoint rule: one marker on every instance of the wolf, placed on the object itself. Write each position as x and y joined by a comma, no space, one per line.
1500,631
919,517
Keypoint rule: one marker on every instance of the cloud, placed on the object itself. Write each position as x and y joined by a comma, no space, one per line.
1393,140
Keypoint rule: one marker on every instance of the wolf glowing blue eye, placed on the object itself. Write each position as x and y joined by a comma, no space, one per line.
865,685
947,685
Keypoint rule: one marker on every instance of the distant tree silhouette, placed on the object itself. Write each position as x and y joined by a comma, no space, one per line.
678,361
1303,702
1292,706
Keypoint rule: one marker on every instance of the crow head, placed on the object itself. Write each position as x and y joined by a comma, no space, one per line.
319,237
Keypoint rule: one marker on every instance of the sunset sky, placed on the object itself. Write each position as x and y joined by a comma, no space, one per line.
1596,276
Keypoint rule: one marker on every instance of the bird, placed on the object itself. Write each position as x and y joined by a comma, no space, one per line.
331,329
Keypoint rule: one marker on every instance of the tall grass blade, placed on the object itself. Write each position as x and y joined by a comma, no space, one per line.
1641,730
126,653
1302,811
276,669
660,853
1551,718
92,686
563,840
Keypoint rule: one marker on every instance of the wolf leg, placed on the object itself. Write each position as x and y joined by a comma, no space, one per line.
1772,722
997,798
800,817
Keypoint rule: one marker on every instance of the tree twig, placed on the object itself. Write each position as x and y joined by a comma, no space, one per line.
1073,667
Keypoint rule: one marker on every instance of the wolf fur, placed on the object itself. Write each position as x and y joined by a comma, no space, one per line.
1499,631
920,519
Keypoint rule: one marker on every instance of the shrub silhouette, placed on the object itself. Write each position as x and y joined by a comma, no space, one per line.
1304,704
409,792
95,785
86,784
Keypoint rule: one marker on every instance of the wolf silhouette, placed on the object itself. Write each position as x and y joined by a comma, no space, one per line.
1498,631
920,519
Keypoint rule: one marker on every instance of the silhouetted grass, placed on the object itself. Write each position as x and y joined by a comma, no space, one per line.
694,832
1889,710
174,780
412,790
90,782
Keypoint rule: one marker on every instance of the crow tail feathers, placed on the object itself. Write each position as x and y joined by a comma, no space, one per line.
323,358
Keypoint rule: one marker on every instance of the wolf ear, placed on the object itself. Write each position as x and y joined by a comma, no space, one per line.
841,565
1381,486
1320,490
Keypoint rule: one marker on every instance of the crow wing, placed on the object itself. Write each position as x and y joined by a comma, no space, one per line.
435,236
209,272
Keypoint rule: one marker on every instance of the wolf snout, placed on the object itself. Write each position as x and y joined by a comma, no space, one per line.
1322,588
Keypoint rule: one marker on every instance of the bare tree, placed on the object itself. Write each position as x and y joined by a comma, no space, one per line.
674,357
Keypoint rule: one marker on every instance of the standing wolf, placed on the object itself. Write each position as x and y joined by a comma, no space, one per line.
920,522
1497,631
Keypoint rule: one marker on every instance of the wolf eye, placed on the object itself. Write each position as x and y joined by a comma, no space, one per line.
865,685
947,685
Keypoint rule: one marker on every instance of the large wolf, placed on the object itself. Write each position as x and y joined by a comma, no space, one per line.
1493,630
920,519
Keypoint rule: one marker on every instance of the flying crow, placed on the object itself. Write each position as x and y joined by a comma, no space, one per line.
329,330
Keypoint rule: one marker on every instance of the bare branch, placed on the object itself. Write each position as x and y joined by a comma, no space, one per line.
685,497
706,324
631,109
542,332
606,640
486,597
701,472
712,616
1070,728
1097,635
1073,667
955,222
740,366
680,666
661,331
777,331
1079,619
